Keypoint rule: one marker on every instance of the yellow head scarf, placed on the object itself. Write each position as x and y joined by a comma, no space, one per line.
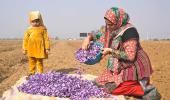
35,15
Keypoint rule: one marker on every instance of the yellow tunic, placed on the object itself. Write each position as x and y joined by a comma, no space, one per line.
36,41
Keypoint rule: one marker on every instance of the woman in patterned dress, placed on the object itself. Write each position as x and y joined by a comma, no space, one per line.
129,68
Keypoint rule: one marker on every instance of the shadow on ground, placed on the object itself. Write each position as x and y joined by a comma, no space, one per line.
66,70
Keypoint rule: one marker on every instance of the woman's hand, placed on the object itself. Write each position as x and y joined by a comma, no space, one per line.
106,51
86,42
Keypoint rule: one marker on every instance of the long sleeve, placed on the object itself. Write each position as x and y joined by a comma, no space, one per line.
129,51
46,40
130,44
127,55
99,37
130,48
25,40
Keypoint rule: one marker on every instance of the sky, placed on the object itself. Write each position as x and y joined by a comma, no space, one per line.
68,18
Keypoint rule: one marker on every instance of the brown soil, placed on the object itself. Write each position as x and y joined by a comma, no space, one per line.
13,65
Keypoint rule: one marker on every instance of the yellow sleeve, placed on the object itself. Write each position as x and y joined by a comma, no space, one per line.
25,40
46,39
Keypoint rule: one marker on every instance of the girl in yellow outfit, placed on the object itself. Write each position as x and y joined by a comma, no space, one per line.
36,43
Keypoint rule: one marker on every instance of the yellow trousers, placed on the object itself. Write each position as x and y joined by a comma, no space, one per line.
35,64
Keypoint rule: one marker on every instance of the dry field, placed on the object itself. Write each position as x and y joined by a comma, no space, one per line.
13,65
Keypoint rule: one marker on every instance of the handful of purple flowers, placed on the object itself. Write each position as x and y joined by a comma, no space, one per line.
90,56
61,85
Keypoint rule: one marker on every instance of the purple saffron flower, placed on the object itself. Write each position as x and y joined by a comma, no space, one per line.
90,56
61,85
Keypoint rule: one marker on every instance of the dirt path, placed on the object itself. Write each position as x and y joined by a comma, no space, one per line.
62,58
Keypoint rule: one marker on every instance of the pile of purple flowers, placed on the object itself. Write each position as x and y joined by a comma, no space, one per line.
61,85
89,54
